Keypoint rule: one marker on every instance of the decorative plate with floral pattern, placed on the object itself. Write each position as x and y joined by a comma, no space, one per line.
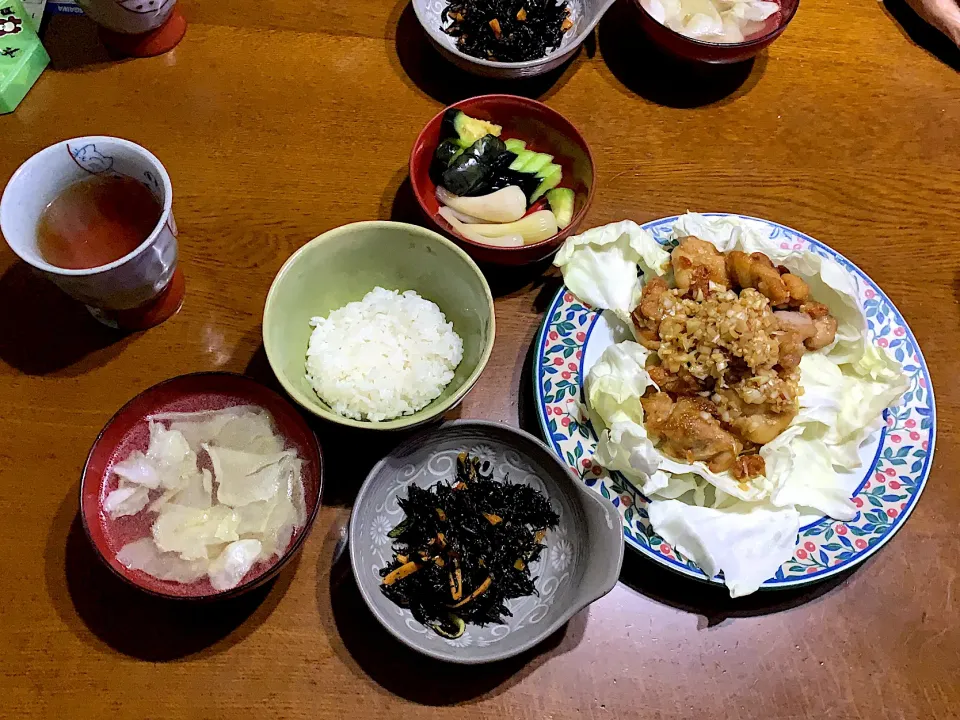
896,461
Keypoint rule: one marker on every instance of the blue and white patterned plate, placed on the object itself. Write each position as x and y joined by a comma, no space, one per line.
886,488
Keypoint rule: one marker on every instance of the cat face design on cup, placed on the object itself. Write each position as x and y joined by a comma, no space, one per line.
128,16
126,284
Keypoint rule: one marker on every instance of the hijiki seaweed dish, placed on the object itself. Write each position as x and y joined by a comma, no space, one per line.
507,30
465,548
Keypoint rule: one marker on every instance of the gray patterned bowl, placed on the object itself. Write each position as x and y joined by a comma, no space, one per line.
585,15
580,565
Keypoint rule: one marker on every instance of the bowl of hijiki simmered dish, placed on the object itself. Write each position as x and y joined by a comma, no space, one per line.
379,325
201,487
472,542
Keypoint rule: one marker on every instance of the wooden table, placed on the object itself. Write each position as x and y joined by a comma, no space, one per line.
279,120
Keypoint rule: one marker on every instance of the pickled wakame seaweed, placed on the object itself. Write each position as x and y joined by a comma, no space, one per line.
507,30
465,547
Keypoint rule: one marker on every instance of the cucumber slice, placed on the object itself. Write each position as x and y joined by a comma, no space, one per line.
547,182
523,157
561,202
537,163
548,170
514,145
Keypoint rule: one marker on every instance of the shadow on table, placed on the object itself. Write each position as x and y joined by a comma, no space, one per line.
73,43
638,64
922,33
348,453
398,203
713,602
410,48
373,653
103,610
45,332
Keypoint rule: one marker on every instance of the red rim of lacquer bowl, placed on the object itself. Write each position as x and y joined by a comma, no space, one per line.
692,49
127,430
421,157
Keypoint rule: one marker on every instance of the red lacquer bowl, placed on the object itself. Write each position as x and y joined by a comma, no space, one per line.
128,431
544,130
717,53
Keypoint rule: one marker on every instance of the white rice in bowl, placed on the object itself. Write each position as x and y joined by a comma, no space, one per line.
387,355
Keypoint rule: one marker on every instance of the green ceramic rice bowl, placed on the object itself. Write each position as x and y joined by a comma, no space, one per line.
342,266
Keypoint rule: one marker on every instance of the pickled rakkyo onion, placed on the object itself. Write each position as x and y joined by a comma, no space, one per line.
720,21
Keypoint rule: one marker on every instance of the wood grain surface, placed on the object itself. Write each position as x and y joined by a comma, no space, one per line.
280,119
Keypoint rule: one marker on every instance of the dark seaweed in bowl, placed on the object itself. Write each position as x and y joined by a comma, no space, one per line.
465,547
507,30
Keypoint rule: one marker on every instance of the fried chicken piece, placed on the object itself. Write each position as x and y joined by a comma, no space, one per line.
754,423
756,271
657,407
796,322
649,307
815,309
748,467
700,283
693,253
683,383
764,425
776,283
691,430
824,325
793,329
648,314
797,287
826,332
811,329
791,350
647,337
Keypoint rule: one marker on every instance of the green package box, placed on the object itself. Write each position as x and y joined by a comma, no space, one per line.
22,57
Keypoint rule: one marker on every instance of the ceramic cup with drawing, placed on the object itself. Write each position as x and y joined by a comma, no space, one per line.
139,28
140,289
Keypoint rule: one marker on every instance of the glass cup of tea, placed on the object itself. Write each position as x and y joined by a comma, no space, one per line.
93,215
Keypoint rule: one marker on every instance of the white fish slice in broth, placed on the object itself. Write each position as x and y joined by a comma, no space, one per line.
128,499
168,448
244,477
233,563
252,432
245,427
196,491
189,531
144,555
138,469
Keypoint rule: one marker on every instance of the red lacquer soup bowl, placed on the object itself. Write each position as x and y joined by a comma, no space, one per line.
544,130
128,431
699,51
